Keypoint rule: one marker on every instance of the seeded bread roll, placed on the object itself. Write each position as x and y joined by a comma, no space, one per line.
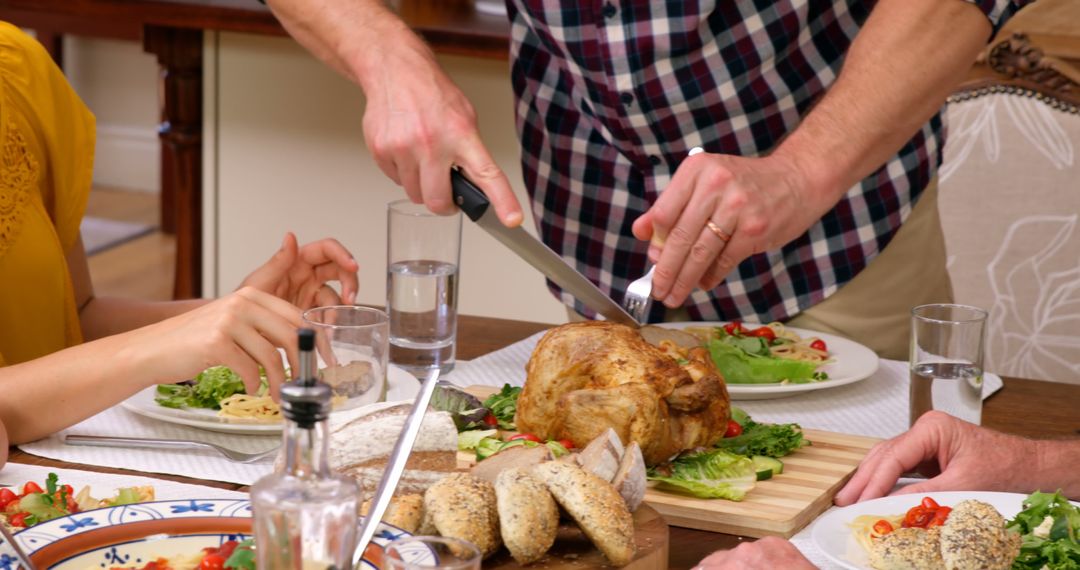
462,506
596,506
528,517
404,512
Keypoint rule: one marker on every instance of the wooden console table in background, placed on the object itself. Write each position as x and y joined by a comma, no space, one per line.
172,30
1037,51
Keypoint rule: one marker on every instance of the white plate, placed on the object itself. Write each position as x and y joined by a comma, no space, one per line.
136,534
832,535
400,386
851,362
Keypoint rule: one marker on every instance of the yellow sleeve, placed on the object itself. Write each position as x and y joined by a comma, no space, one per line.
64,125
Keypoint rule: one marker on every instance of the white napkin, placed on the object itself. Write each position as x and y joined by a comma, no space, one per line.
877,406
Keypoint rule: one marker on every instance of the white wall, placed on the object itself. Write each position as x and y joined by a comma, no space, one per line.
118,82
284,151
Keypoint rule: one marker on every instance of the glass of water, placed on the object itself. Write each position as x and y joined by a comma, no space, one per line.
422,254
947,344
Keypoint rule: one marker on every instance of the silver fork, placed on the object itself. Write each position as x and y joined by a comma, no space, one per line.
149,443
638,299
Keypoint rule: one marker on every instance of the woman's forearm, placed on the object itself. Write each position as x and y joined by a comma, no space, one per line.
50,393
103,317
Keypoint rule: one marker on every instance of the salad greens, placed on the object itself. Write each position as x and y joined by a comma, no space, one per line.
715,474
210,387
503,405
468,440
747,360
243,557
466,410
770,440
1050,527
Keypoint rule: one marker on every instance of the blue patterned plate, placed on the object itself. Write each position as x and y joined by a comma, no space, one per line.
133,535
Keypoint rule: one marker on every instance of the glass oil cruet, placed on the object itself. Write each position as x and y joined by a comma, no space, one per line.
305,516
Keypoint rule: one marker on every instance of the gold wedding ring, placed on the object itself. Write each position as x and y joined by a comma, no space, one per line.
715,229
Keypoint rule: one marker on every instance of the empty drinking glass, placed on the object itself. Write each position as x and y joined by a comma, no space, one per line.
431,552
351,345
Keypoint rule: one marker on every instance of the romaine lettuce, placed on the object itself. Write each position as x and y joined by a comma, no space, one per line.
740,367
713,474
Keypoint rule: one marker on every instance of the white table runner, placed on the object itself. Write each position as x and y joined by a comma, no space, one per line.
875,407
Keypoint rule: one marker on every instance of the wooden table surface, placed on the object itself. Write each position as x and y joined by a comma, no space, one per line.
1024,407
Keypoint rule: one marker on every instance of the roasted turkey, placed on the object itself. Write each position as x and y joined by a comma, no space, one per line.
585,377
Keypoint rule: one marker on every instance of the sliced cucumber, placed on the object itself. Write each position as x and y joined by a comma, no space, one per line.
766,467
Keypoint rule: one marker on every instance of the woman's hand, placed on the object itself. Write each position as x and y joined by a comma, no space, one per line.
957,455
241,330
299,274
767,553
717,211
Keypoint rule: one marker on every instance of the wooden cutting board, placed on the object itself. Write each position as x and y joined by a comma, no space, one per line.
780,506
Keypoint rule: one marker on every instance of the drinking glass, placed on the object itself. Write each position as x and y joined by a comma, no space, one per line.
947,343
428,552
422,255
351,345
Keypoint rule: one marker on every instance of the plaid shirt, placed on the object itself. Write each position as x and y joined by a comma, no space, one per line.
612,94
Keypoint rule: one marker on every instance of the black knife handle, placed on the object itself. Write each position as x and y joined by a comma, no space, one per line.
467,196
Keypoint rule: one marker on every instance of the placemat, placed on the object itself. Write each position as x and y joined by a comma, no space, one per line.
200,464
877,406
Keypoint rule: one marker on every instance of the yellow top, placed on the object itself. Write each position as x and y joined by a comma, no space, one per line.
46,165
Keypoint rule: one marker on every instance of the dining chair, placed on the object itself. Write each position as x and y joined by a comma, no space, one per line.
1010,202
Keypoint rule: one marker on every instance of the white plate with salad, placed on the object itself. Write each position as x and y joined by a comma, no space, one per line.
835,532
747,350
400,385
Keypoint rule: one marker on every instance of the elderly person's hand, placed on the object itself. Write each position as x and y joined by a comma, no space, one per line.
717,211
299,274
767,553
957,455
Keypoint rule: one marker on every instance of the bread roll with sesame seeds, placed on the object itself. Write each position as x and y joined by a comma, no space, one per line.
462,506
528,517
596,507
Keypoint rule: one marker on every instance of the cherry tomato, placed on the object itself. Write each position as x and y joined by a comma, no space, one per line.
883,527
68,489
819,344
917,516
525,436
733,429
942,514
18,519
567,443
212,562
31,487
929,503
491,420
734,328
764,332
6,496
227,548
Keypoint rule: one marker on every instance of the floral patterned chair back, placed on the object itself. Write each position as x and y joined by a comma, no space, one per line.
1010,208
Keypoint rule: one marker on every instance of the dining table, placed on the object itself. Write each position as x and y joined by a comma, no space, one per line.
1026,407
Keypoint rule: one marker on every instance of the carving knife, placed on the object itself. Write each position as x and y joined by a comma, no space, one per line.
477,207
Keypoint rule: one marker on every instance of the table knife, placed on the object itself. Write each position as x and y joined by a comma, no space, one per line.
477,207
396,465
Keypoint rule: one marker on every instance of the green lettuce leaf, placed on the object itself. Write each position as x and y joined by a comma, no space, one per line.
740,367
713,474
468,440
503,405
1049,526
771,440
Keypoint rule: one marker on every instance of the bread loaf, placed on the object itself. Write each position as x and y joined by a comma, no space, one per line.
362,439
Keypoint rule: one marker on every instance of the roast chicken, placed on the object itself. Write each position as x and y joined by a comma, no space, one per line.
584,378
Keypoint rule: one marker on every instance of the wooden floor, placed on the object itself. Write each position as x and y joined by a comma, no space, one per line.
141,268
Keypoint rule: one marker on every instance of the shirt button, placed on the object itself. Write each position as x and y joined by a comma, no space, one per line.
655,160
626,97
610,10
